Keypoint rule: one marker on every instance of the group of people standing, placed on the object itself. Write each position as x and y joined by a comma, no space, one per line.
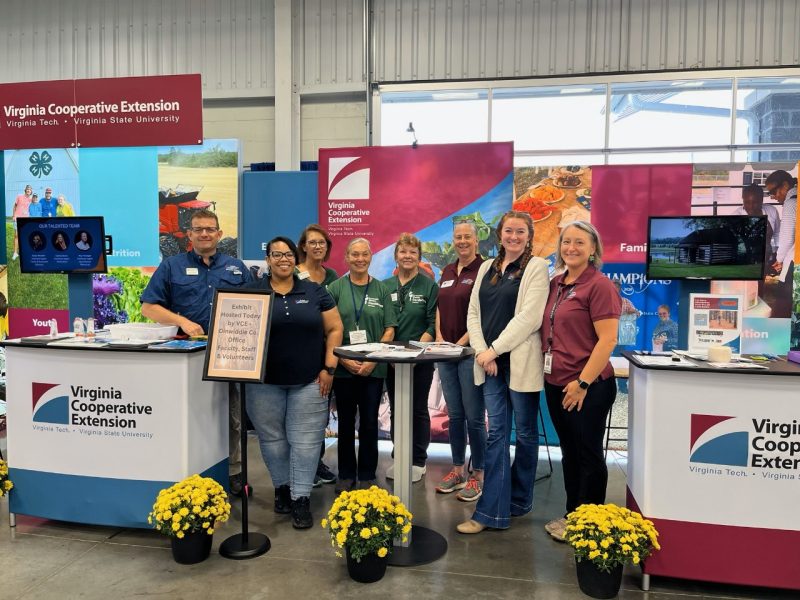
28,204
528,334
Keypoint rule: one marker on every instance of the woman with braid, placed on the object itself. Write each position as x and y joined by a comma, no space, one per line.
503,320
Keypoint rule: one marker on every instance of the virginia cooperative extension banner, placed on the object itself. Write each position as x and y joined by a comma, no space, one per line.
380,192
126,111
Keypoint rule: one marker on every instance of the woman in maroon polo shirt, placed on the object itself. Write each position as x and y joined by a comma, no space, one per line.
465,408
579,332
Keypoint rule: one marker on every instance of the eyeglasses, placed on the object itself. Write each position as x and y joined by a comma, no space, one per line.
205,229
317,243
279,255
774,191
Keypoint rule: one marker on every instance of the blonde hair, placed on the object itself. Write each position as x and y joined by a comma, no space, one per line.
586,227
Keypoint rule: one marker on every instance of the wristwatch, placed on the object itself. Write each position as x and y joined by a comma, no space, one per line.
584,385
329,370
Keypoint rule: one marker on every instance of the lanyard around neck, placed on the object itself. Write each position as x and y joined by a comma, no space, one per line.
565,290
360,310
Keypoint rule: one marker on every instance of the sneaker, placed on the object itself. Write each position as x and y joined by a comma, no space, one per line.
14,256
417,473
451,482
344,485
301,513
324,474
283,500
555,524
471,492
236,485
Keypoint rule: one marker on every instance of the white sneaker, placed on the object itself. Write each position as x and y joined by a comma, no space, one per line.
14,256
416,473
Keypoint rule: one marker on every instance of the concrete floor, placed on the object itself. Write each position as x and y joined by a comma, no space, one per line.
45,559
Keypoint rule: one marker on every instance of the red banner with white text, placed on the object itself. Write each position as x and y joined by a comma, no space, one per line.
129,111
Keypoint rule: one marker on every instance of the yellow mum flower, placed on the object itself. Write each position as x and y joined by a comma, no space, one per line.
382,552
365,533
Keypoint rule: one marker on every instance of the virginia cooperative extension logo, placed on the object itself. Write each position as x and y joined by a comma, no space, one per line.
755,442
96,407
348,180
713,442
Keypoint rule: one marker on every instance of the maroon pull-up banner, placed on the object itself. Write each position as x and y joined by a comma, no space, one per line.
129,111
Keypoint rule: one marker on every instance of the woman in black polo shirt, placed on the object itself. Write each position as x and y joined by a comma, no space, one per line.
290,409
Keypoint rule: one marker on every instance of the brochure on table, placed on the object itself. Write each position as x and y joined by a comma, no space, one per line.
715,320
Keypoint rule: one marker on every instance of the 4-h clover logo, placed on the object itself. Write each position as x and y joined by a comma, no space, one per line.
40,164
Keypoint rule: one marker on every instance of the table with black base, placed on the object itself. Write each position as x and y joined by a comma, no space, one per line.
423,545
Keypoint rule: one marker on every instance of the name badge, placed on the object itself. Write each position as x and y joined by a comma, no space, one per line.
192,271
446,284
394,296
358,336
303,275
548,363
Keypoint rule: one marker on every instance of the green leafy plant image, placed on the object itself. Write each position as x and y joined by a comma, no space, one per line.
116,296
40,164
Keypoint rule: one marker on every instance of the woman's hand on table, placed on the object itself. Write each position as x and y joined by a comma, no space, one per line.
574,396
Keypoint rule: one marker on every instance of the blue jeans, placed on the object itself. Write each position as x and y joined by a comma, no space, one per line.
508,489
290,421
466,411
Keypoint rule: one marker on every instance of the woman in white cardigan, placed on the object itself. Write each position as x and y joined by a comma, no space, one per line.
503,321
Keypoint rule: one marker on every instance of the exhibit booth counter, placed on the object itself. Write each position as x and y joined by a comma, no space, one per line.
714,462
95,433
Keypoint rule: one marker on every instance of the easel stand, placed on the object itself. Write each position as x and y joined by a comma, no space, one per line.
244,545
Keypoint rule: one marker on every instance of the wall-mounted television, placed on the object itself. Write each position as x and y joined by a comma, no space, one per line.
62,245
725,247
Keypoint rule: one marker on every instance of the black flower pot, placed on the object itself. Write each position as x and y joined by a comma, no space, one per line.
596,583
370,569
192,548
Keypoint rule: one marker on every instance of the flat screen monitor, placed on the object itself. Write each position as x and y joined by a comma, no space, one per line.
62,245
702,247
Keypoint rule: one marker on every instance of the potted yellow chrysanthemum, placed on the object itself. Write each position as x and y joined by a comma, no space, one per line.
5,483
365,524
605,537
188,512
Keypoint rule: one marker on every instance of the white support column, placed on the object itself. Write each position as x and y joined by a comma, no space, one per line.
287,100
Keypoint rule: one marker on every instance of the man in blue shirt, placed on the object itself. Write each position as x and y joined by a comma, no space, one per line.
49,204
181,292
35,209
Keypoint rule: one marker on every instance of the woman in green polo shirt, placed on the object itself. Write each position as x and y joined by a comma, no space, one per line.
368,316
314,247
414,295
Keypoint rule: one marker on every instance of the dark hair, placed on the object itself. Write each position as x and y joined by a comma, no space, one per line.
204,213
753,189
304,238
779,177
3,305
286,241
501,254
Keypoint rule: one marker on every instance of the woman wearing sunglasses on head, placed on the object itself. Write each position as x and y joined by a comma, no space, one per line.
290,409
314,248
414,296
578,336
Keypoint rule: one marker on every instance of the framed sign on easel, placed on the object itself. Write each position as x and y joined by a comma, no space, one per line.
237,352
